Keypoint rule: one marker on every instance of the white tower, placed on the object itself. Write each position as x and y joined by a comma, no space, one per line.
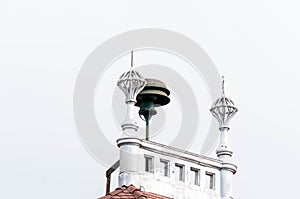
131,83
223,109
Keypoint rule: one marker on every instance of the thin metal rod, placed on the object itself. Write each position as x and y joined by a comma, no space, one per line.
223,85
147,129
108,184
131,58
108,175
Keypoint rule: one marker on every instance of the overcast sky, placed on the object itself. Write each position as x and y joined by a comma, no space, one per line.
43,45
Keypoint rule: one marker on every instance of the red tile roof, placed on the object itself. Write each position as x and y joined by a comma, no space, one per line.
131,192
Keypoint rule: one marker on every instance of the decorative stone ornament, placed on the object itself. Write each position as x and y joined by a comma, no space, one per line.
131,83
223,109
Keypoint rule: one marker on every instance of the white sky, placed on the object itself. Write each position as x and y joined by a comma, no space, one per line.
43,45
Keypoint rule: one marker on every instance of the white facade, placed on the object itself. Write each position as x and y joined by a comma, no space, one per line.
201,177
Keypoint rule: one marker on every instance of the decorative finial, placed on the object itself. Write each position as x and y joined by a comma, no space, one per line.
223,109
131,83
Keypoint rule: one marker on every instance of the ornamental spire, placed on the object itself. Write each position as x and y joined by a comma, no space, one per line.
223,109
131,83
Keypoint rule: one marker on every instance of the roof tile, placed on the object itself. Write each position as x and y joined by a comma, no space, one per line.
131,192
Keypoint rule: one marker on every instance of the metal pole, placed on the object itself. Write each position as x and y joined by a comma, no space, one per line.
147,129
108,175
